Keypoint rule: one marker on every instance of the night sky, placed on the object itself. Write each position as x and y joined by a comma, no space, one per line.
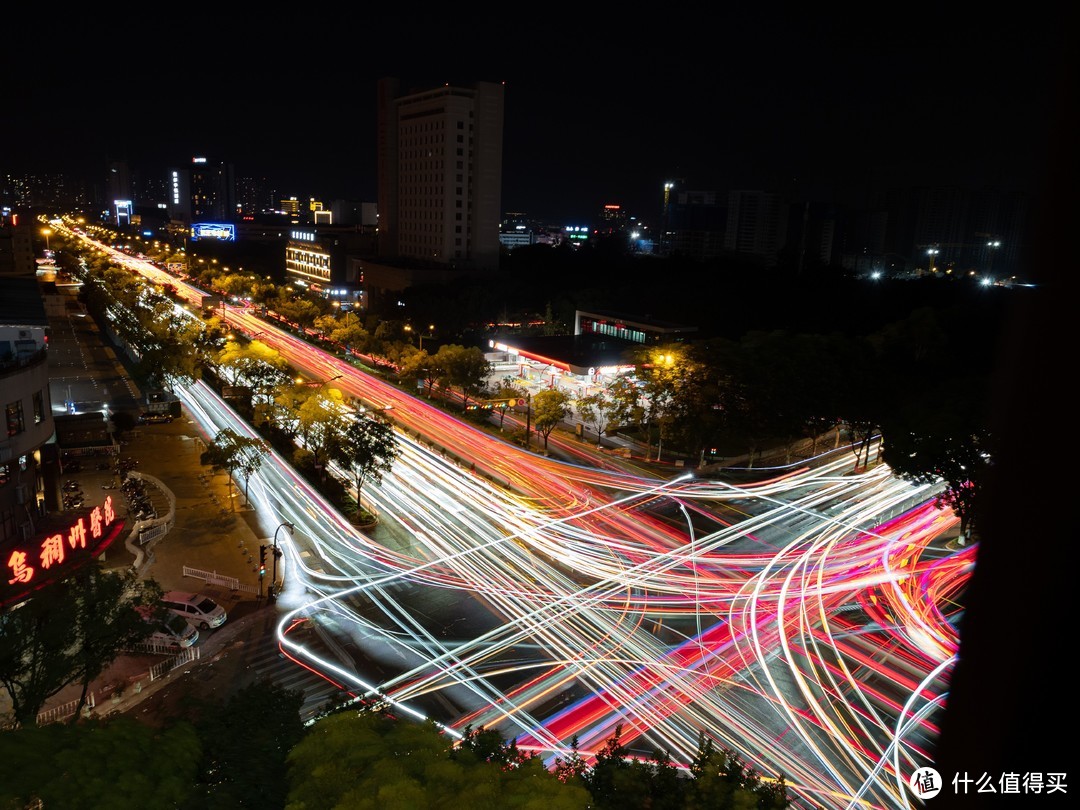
597,110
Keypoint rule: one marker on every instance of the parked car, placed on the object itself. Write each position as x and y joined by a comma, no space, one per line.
169,629
149,418
197,608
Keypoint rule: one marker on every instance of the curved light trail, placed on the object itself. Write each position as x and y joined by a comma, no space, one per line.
807,621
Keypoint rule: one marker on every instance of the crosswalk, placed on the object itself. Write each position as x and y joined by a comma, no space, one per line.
266,661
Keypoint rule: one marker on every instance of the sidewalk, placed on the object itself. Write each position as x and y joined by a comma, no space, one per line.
207,535
208,532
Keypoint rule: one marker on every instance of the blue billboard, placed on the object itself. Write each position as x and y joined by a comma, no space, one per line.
222,231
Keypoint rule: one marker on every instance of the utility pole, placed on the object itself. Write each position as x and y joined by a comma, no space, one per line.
528,416
277,553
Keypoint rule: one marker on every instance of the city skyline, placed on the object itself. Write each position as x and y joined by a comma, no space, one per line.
826,109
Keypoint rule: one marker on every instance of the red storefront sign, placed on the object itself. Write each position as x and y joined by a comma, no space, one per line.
54,553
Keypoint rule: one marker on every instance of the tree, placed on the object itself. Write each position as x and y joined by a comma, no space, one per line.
68,632
246,744
550,407
236,454
123,421
321,422
571,768
625,395
344,328
371,761
617,781
941,437
722,781
236,360
107,620
659,369
511,392
598,410
417,365
117,762
465,368
368,448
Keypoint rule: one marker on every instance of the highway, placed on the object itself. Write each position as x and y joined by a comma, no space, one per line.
810,625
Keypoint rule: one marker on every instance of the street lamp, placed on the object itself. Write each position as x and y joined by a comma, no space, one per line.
277,553
46,231
932,252
419,336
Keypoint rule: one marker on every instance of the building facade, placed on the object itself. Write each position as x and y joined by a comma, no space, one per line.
204,191
24,381
440,174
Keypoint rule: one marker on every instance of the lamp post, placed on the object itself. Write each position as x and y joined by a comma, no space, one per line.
420,336
932,252
277,553
46,231
528,416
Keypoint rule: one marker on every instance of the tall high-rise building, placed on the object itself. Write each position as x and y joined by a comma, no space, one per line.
440,173
756,224
253,196
204,192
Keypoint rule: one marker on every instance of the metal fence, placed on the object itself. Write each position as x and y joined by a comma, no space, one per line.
214,578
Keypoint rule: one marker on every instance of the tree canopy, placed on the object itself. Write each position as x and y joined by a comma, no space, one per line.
68,631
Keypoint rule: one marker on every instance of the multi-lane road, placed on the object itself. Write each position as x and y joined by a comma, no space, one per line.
806,620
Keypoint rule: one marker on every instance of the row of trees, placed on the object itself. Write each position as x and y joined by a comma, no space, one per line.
921,382
251,749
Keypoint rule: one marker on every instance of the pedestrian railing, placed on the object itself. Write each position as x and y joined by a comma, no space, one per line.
214,578
165,667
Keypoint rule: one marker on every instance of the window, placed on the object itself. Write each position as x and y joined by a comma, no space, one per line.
39,408
15,422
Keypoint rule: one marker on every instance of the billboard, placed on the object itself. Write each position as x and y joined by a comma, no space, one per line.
224,231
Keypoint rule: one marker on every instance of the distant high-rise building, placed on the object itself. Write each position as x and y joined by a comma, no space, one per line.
253,196
440,173
694,224
203,192
55,192
756,225
119,190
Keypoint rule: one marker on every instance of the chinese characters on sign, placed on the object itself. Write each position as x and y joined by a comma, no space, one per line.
87,533
927,783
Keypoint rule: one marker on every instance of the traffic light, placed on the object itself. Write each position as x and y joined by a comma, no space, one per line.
262,561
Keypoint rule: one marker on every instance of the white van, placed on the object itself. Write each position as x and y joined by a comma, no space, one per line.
171,630
200,610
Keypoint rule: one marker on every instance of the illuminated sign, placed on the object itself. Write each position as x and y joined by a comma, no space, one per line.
198,160
214,230
302,236
37,562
